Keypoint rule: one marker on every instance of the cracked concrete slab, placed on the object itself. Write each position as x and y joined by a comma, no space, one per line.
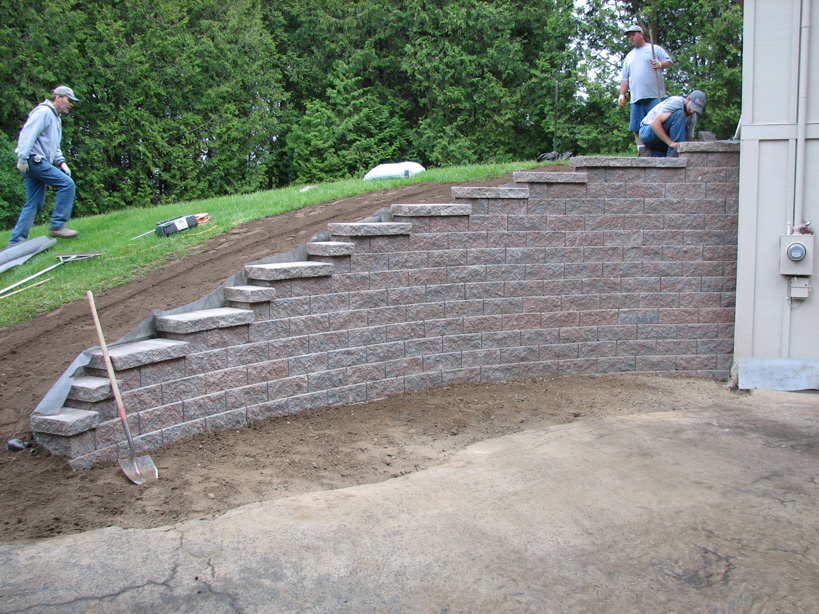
708,509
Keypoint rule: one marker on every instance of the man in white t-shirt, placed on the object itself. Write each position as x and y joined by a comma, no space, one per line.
669,123
640,77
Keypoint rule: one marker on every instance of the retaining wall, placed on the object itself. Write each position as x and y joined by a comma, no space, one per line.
620,265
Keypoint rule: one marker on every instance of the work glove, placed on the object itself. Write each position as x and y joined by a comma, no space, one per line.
22,167
65,168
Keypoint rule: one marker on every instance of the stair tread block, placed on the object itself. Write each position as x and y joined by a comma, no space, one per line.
90,389
204,319
130,355
431,210
288,270
249,294
369,229
330,248
68,422
490,192
535,177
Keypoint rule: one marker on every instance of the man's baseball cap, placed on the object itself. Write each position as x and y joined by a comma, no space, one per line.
697,99
64,90
636,28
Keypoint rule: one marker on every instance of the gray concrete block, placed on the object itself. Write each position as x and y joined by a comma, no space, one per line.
535,177
68,422
369,229
205,319
90,389
490,192
624,162
130,355
288,270
430,210
249,294
330,248
73,446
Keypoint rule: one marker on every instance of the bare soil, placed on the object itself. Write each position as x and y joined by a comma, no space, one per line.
40,496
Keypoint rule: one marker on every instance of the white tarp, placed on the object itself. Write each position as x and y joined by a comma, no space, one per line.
394,170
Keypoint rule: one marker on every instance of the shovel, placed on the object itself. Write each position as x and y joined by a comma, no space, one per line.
139,469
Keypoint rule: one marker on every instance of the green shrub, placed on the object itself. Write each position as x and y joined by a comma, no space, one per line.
12,191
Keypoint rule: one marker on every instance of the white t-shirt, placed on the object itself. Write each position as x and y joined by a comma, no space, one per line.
638,72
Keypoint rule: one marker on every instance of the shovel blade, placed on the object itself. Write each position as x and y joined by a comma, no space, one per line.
139,469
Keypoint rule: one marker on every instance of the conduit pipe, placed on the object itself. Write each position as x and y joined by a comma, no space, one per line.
802,116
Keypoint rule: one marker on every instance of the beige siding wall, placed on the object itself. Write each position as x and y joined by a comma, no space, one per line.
774,330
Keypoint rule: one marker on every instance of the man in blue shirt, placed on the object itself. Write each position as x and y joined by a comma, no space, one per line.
42,164
669,123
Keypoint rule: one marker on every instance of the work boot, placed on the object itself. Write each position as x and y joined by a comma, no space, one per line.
643,152
62,233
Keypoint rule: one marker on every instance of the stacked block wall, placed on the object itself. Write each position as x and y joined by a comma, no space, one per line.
622,265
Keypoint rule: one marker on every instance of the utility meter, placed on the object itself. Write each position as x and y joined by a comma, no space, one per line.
796,255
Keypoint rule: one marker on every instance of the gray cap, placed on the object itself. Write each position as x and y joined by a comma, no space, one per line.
636,28
64,90
697,100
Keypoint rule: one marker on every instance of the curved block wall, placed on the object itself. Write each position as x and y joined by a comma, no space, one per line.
621,265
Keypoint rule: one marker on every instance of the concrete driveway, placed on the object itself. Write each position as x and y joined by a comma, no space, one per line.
703,510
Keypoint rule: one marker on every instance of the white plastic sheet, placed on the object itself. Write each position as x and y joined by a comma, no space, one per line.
394,170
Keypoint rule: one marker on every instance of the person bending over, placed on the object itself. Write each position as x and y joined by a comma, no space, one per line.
670,122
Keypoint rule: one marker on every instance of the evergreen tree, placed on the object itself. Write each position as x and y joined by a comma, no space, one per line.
12,190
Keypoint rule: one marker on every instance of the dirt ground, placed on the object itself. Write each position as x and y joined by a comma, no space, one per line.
41,497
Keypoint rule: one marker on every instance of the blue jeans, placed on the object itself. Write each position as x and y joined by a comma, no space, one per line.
39,176
675,128
639,109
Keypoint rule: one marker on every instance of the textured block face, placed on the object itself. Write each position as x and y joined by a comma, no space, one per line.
196,321
287,270
129,355
619,265
67,423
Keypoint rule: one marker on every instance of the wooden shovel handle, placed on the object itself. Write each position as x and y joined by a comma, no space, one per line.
109,366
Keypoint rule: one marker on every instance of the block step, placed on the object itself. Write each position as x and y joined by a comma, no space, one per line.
89,389
68,422
205,319
288,270
535,177
499,192
369,229
249,294
148,351
431,210
330,248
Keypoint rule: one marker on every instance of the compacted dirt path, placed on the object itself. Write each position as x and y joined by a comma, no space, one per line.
40,496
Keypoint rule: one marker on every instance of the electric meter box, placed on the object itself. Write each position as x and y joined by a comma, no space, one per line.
796,255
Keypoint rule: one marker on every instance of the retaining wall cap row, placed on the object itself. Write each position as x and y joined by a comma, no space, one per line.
130,355
709,147
68,422
540,177
288,270
90,389
249,294
205,319
431,210
490,192
330,248
369,229
623,162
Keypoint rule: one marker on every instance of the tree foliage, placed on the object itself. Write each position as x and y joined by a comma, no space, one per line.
185,99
